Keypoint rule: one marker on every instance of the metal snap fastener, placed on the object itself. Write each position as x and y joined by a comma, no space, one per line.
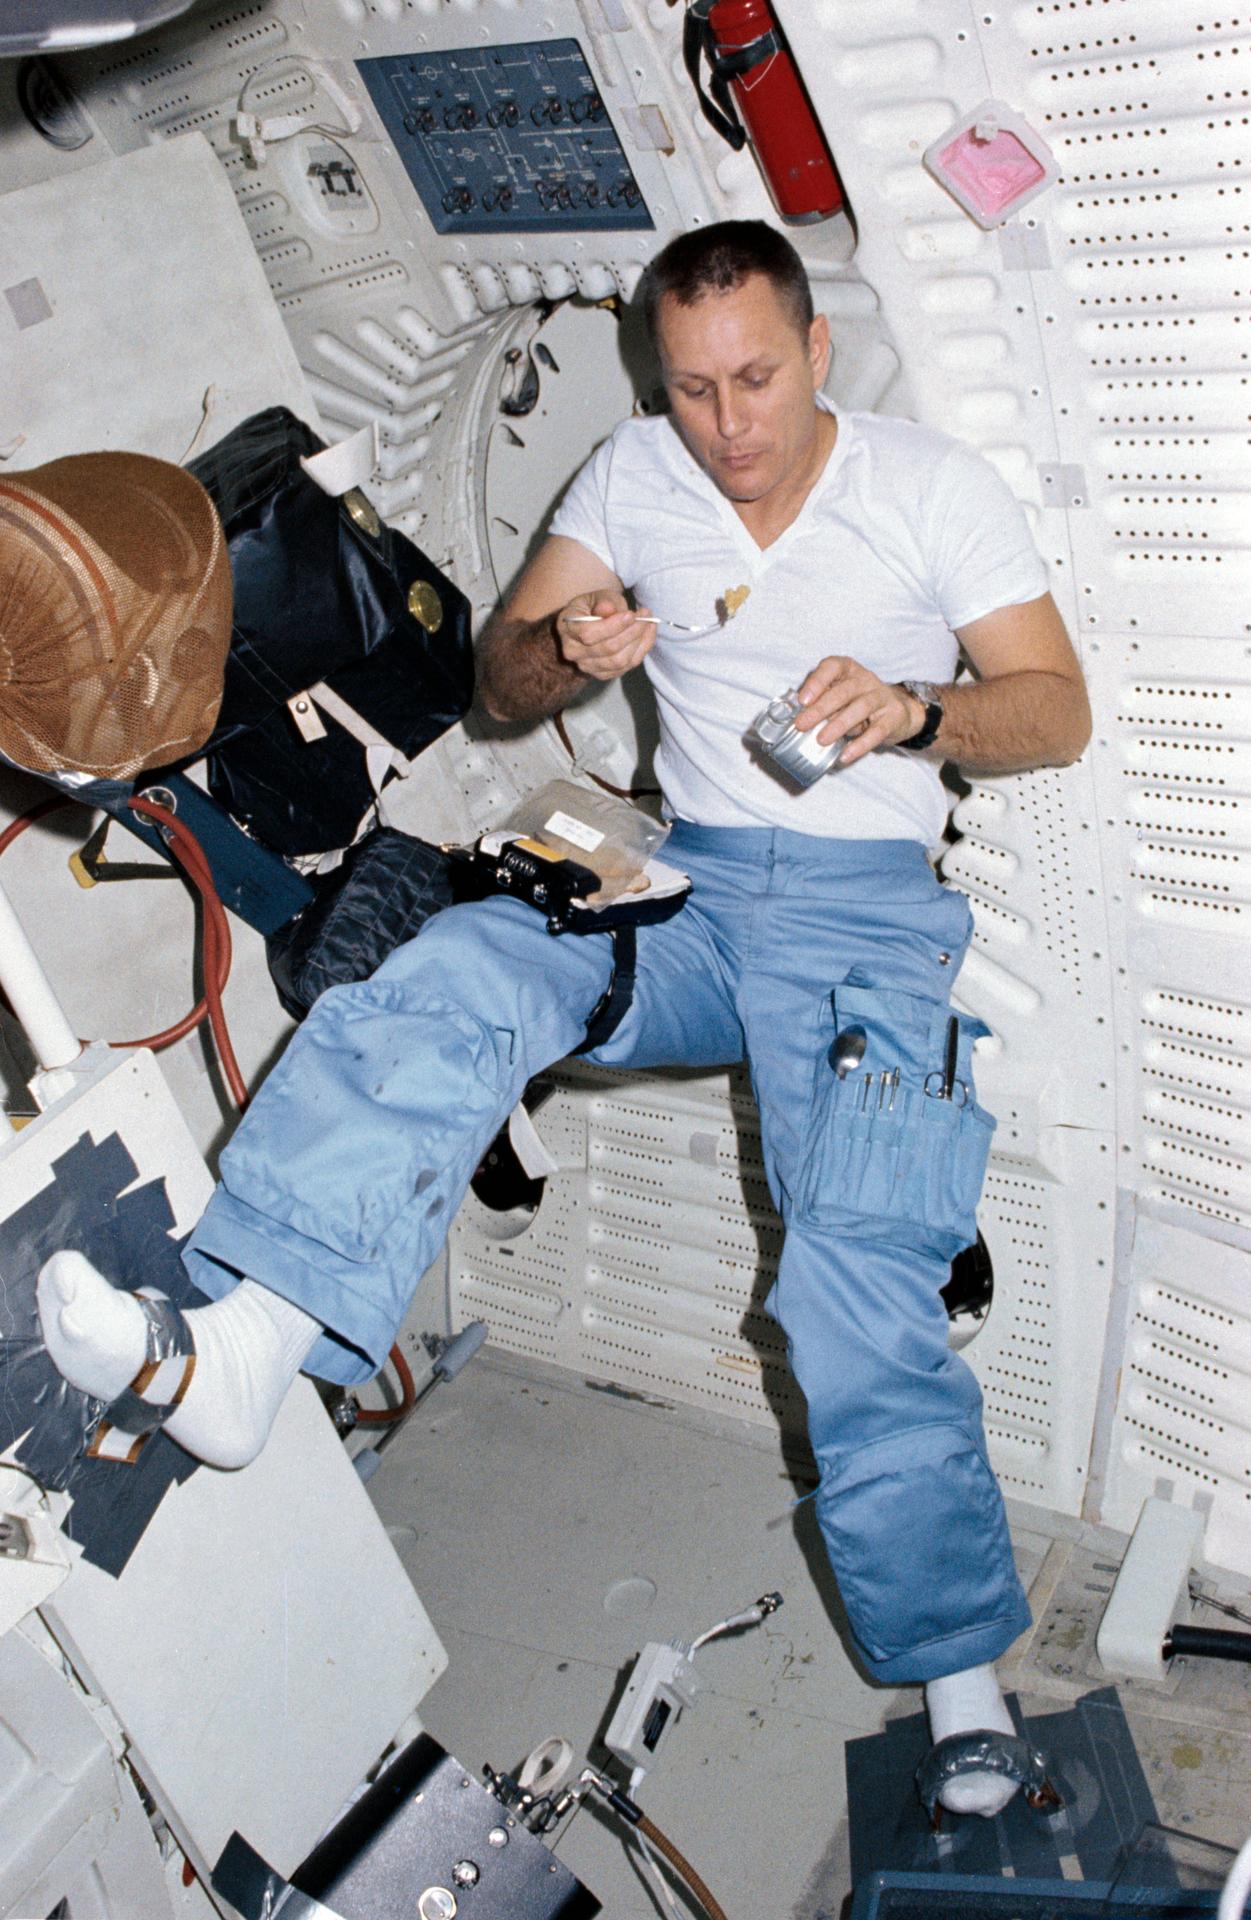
425,606
363,512
436,1903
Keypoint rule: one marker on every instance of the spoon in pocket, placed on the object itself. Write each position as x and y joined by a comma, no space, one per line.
847,1051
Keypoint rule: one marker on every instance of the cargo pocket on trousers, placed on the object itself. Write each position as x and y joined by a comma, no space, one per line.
407,1106
897,1148
918,1542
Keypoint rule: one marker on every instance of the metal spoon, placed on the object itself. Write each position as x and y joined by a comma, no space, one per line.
847,1051
646,620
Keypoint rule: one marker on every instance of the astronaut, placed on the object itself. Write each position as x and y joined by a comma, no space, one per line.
751,539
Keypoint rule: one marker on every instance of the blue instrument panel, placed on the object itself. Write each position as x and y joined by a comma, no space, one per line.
511,139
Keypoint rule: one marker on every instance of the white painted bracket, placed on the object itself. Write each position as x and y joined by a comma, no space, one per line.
527,1144
1151,1593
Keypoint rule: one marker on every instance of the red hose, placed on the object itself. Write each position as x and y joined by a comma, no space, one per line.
189,854
155,1041
215,945
24,820
386,1416
212,964
215,961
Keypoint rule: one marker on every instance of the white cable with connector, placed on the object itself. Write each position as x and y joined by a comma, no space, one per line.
751,1618
663,1681
257,131
637,1776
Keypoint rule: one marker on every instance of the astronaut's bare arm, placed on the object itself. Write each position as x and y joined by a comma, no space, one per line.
1027,706
566,623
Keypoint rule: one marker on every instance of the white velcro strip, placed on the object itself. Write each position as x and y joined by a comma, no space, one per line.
166,1382
110,1443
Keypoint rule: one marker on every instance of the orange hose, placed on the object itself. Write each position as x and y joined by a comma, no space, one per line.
216,935
155,1041
682,1865
216,957
387,1416
215,945
24,820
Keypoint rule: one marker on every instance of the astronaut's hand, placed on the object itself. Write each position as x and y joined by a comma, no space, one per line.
603,637
845,701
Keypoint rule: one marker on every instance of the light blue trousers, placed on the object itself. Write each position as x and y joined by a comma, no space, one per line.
339,1187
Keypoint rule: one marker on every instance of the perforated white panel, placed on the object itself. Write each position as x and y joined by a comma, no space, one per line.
1172,780
1096,350
651,1255
652,1250
1183,1424
683,1246
1192,1085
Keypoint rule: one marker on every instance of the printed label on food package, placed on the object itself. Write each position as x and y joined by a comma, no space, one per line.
575,830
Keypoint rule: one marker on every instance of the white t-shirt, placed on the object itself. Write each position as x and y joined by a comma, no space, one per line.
905,536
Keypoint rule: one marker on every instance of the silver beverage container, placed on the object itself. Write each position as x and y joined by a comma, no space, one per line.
800,755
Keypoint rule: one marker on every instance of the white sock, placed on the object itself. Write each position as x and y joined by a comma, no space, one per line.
249,1347
963,1703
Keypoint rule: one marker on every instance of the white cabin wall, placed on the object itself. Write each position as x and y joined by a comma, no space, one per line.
1094,350
129,357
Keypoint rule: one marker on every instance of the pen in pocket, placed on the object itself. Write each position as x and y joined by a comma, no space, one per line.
949,1063
945,1089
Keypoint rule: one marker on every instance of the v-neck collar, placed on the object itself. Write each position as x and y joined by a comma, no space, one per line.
761,557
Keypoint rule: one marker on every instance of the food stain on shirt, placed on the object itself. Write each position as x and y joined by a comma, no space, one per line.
729,602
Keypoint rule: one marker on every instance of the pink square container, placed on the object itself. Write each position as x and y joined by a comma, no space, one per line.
992,162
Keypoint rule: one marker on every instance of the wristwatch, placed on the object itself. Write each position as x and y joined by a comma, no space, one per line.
930,699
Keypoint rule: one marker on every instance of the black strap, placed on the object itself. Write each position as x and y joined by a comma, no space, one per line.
697,40
740,60
614,1003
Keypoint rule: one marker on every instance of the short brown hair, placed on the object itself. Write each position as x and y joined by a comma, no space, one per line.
717,259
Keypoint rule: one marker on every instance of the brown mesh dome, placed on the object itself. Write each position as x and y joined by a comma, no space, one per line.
114,614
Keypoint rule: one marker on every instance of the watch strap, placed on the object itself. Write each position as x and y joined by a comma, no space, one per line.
928,730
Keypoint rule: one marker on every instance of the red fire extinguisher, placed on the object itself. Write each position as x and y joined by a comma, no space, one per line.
757,94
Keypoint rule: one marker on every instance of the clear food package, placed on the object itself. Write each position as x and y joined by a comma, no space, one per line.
611,837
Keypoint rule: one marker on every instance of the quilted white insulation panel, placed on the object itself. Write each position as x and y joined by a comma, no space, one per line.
1096,349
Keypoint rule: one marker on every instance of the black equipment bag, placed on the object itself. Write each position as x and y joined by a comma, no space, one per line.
323,591
381,894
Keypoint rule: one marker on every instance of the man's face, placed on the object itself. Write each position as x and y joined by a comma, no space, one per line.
741,376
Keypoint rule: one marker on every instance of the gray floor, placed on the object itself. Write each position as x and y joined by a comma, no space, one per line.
552,1528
